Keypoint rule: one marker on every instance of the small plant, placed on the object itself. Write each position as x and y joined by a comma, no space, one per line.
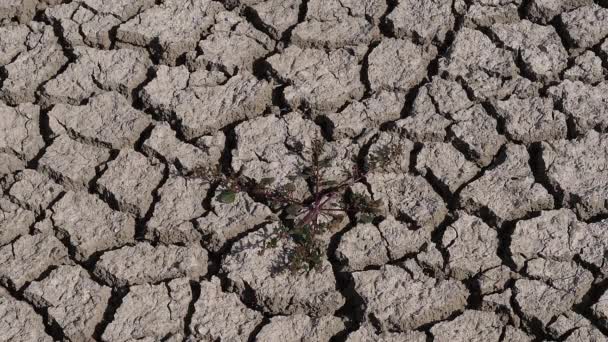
304,221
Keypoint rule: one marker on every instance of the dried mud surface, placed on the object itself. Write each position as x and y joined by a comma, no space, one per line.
496,219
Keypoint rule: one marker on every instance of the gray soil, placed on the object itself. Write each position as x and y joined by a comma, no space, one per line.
495,210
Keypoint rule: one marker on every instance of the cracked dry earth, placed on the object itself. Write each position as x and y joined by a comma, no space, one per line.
495,225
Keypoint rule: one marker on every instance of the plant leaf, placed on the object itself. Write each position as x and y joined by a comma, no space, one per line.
227,197
273,242
293,209
365,218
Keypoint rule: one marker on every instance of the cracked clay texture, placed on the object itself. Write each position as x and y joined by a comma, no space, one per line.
494,218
